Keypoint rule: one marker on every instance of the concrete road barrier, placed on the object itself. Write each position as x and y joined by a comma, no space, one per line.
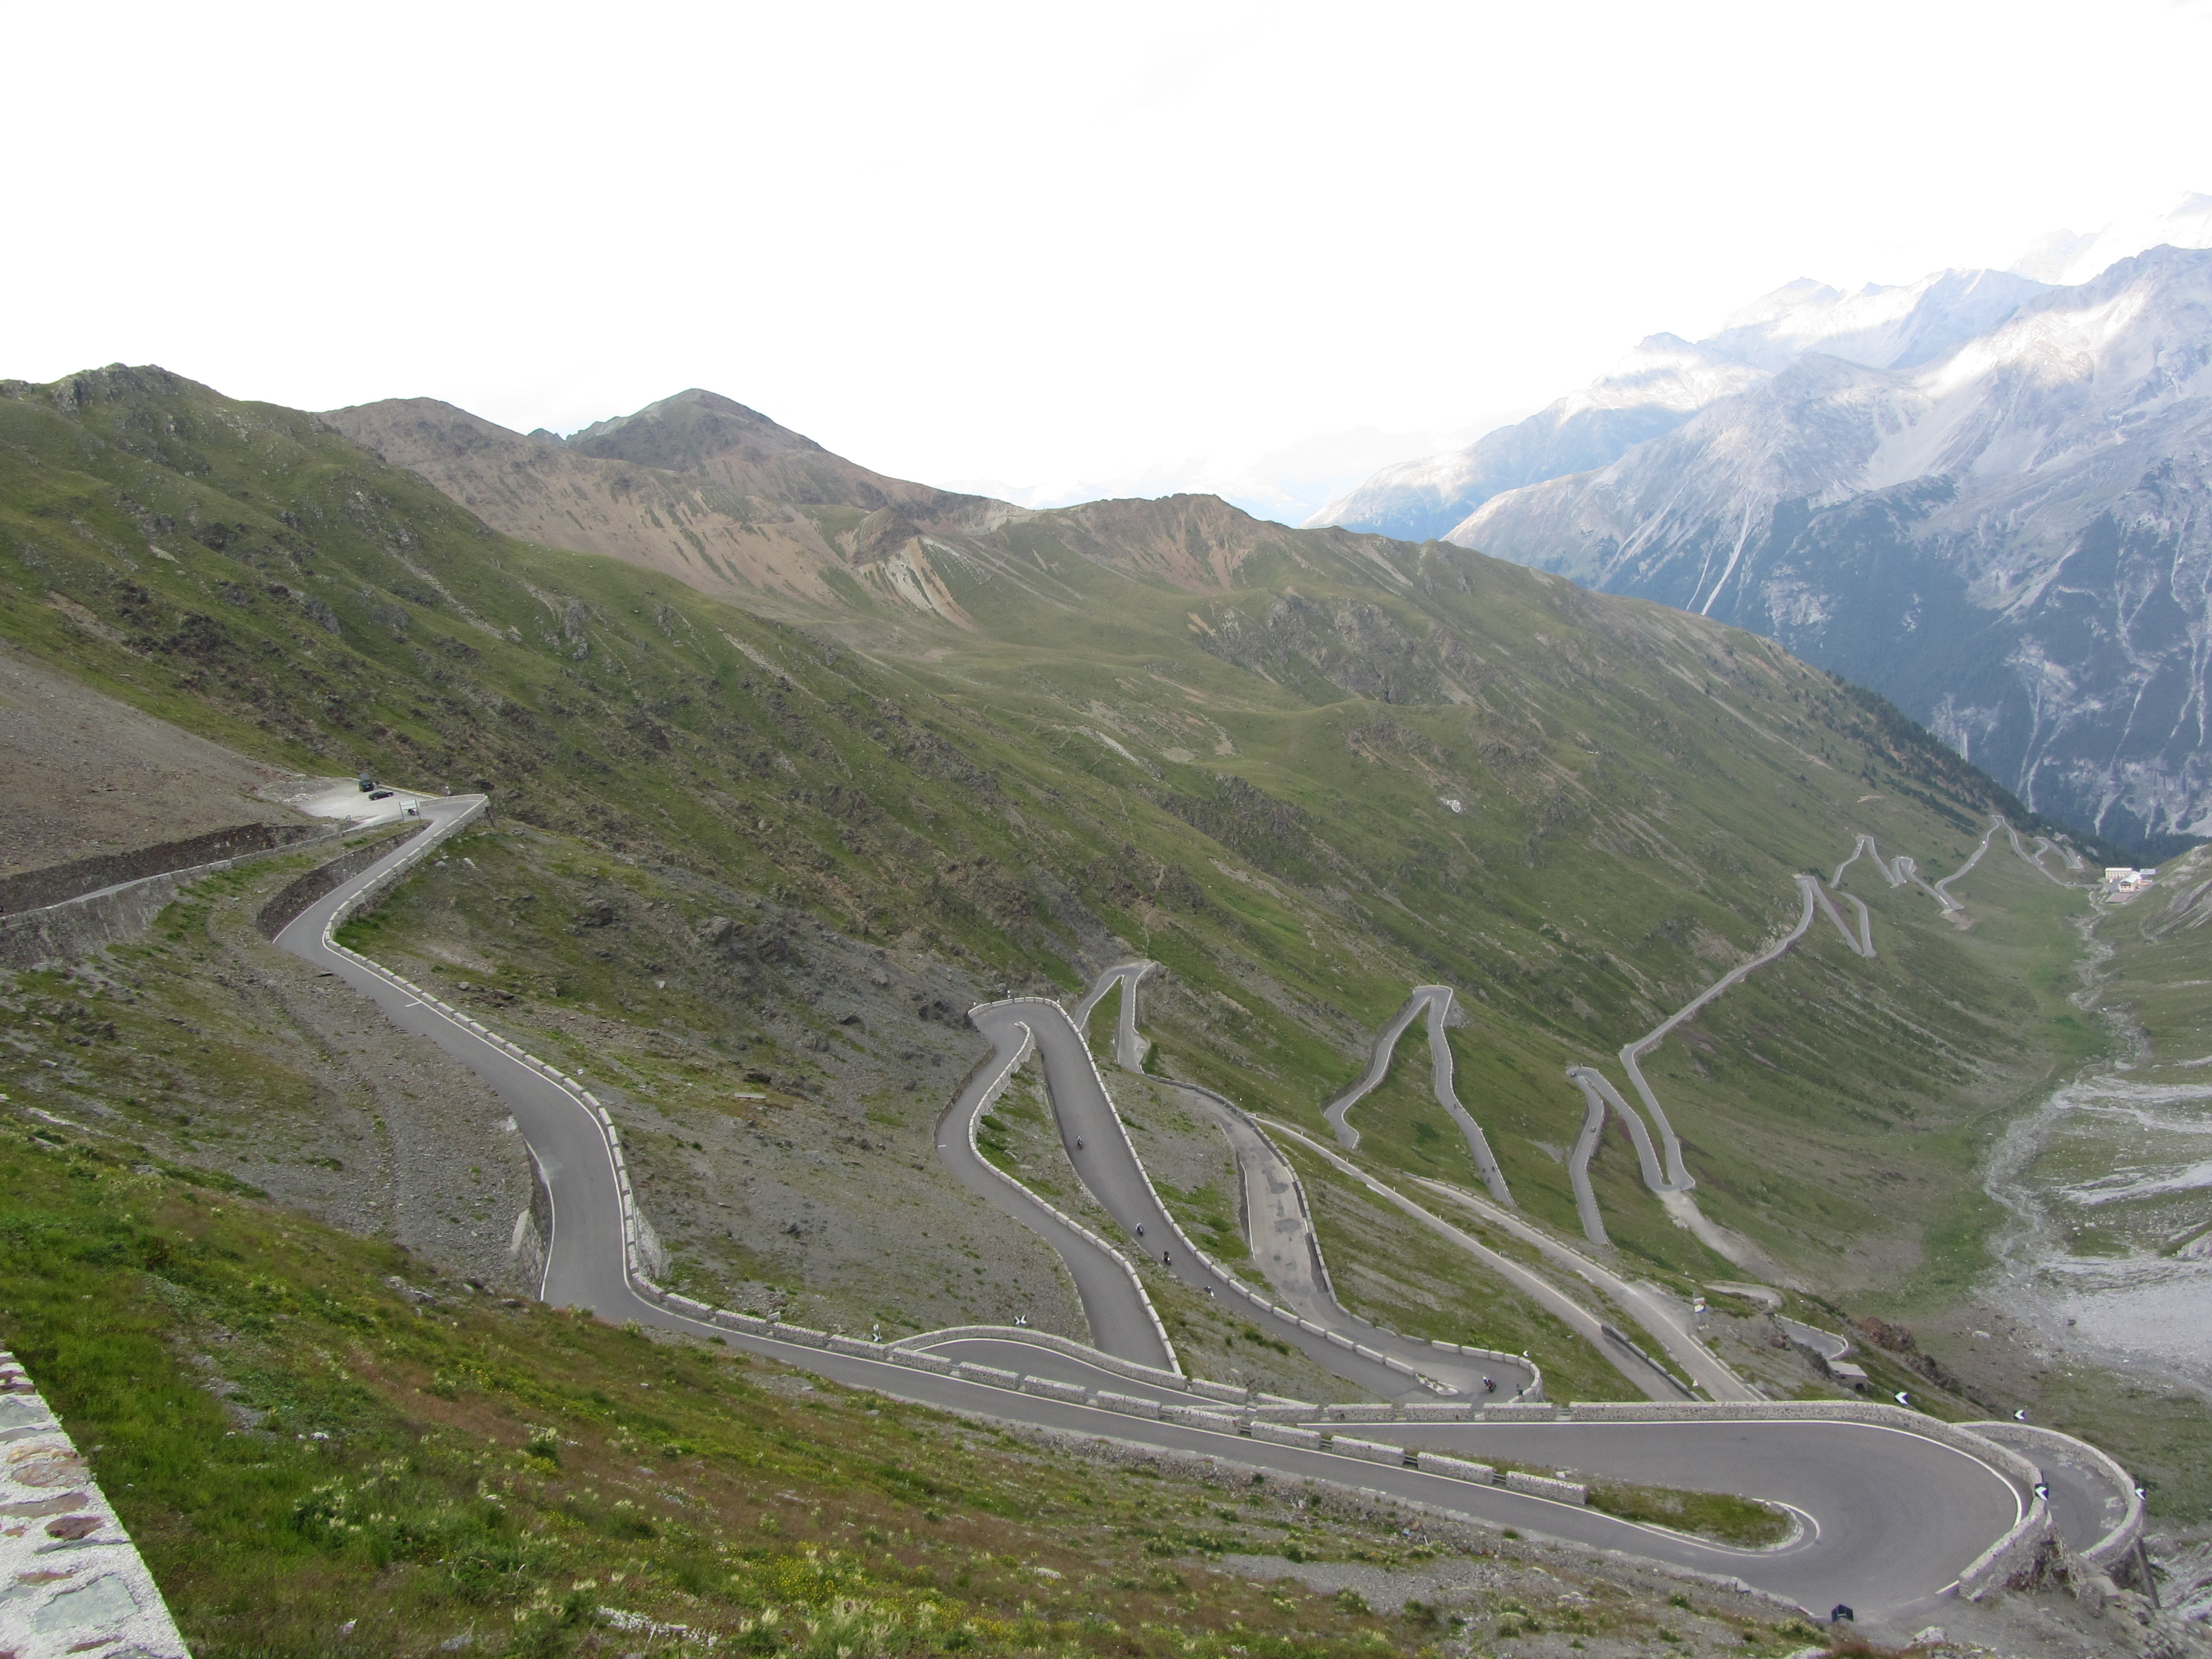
1456,1468
1372,1452
1362,1413
1074,1392
1129,1405
1520,1414
969,1371
1542,1485
1281,1434
919,1361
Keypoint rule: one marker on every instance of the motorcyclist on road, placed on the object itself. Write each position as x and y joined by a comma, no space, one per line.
1490,1385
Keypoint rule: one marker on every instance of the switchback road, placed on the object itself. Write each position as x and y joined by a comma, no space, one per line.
1897,1506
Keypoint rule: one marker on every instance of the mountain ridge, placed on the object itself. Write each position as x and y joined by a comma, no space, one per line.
695,485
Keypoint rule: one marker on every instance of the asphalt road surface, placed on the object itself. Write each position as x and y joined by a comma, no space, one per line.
1892,1516
1435,1001
1128,1048
1121,1317
1107,1165
1663,1316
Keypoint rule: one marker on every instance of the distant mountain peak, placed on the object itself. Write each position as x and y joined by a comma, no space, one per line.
695,485
683,433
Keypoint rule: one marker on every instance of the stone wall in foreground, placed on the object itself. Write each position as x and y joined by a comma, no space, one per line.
71,1579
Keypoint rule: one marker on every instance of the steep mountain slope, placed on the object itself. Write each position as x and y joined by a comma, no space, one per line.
1666,380
2010,539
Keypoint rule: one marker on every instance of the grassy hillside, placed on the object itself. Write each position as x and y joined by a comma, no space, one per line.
1302,769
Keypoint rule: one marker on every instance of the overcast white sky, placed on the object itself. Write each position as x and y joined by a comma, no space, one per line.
1032,243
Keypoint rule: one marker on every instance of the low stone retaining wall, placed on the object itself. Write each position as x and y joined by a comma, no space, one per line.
2112,1552
98,913
57,884
1072,1393
1371,1451
284,907
1456,1468
1197,1417
1543,1486
75,1581
1129,1405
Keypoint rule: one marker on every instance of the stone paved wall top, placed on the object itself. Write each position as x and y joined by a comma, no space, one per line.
71,1579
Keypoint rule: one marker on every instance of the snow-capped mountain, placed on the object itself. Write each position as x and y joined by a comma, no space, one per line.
1666,379
1653,390
1884,327
2008,532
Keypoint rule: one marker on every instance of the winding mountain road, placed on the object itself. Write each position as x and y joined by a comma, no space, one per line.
1121,1317
1278,1224
1110,1171
1436,1001
1897,1509
1129,1048
1666,1319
